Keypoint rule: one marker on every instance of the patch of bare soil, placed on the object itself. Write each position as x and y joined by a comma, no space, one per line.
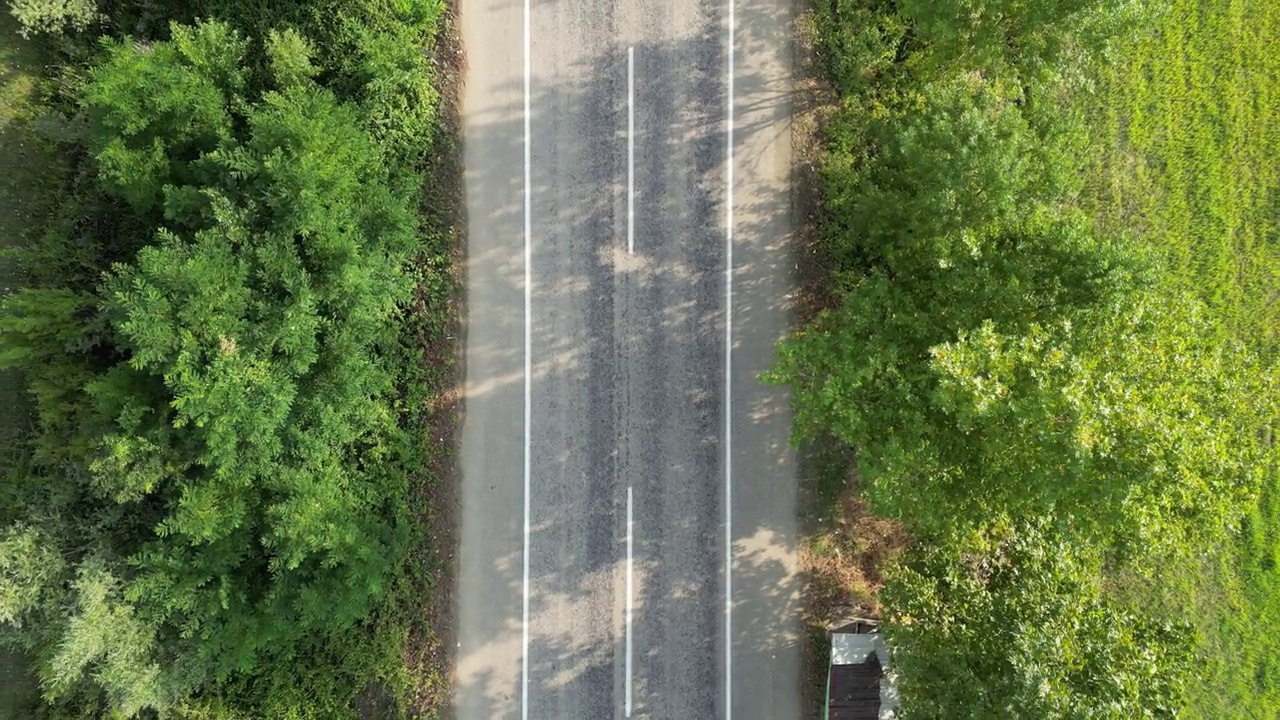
845,551
815,102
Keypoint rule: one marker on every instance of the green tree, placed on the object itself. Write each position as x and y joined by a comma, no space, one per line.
932,175
30,568
104,638
153,114
1036,376
1144,415
1029,35
216,427
54,16
1009,622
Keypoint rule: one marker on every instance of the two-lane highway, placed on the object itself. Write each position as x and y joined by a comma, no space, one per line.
628,500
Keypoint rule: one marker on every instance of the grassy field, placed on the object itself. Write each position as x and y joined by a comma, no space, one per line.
1187,157
25,170
1187,152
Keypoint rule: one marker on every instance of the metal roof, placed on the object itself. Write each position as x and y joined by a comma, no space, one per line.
857,687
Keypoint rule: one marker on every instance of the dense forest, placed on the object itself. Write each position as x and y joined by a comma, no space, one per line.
1047,235
219,324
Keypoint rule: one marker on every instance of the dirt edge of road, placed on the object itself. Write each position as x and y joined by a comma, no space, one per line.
434,493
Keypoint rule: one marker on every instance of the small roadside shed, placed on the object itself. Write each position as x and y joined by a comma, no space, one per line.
857,685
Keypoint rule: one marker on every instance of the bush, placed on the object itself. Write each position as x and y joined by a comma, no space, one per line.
925,180
1036,377
1029,38
1010,623
53,16
991,353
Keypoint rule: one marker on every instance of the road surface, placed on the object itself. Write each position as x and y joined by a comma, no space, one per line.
628,499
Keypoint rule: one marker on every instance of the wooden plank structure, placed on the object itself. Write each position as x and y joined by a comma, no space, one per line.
857,688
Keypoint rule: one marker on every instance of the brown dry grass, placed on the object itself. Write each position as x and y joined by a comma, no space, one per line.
815,102
847,561
845,551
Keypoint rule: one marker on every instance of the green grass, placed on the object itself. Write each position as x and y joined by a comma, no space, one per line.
1258,629
1186,138
1231,592
1187,153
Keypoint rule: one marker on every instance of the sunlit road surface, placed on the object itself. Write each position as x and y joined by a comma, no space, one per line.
628,497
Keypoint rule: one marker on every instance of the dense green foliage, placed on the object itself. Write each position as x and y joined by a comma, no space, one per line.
211,514
53,16
1054,409
993,352
28,170
1011,623
1183,145
1031,37
1002,348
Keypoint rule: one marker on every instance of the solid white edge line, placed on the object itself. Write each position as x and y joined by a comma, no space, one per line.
528,365
728,387
629,601
631,234
631,150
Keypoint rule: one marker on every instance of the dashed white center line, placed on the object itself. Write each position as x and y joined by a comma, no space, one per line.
630,596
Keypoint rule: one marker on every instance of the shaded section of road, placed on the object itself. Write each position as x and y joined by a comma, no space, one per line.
673,315
766,610
489,589
577,166
578,510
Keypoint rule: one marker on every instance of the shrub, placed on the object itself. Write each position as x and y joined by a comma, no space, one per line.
1010,623
53,16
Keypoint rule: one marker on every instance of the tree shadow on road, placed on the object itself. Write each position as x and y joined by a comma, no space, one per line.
603,321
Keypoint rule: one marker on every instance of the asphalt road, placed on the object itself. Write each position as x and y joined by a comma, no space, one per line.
628,498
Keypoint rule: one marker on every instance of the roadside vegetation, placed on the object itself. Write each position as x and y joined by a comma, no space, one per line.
27,170
231,320
1047,343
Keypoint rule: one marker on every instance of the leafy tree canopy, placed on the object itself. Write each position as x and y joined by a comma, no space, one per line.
53,16
1032,36
217,455
1038,378
1010,623
990,353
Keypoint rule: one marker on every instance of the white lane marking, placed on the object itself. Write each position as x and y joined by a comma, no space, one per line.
728,387
528,366
629,597
631,150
